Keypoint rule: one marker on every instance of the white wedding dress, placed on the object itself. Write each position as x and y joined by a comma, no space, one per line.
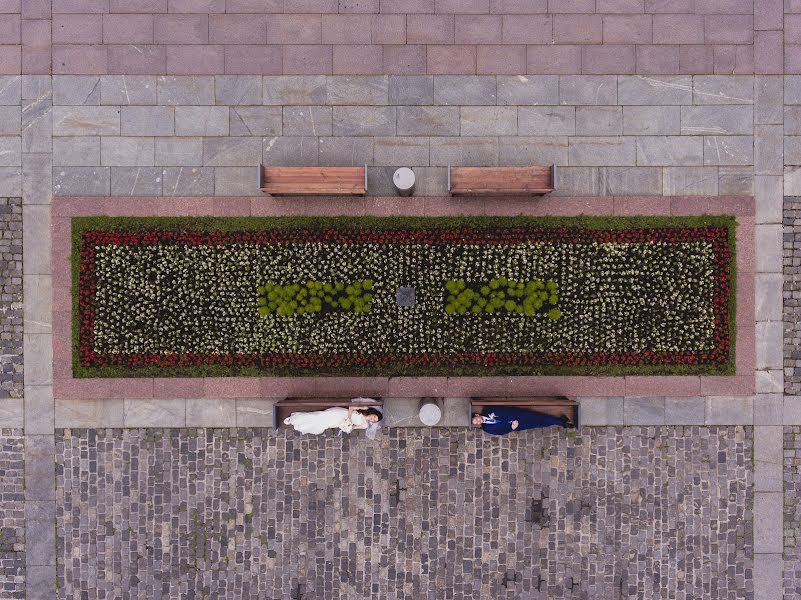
318,421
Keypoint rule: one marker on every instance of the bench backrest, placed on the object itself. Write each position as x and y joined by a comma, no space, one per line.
556,406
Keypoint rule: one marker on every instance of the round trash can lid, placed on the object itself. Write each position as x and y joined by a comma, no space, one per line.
403,178
430,413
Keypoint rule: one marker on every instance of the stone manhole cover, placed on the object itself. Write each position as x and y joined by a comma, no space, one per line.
405,296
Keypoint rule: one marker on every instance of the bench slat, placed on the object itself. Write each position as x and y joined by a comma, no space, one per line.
501,180
325,181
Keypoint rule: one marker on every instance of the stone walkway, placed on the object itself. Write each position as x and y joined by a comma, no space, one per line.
12,514
11,379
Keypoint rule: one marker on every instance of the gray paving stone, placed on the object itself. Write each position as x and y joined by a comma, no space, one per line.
428,120
768,158
768,99
10,120
767,575
379,181
431,181
81,181
259,121
36,227
644,411
792,181
792,120
598,411
251,412
684,411
768,248
355,90
187,181
736,181
728,150
76,90
10,151
127,151
129,90
76,151
464,151
655,90
792,89
651,120
767,528
11,181
86,120
603,151
10,90
37,125
89,413
587,89
190,90
40,537
38,303
304,90
465,90
208,412
238,90
599,120
12,413
154,413
411,90
305,120
630,181
37,86
305,151
690,181
400,151
770,381
147,120
670,151
579,181
39,472
364,120
178,152
38,352
717,120
201,120
524,151
768,345
231,152
40,582
235,181
136,181
514,90
37,180
791,410
488,120
39,414
547,120
792,150
724,410
723,89
768,296
768,409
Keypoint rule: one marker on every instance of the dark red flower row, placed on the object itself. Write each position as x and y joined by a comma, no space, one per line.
717,236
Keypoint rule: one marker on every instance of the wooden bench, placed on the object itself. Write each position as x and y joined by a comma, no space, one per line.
501,181
313,181
283,408
556,406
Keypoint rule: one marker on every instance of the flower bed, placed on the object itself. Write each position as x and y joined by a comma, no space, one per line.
319,296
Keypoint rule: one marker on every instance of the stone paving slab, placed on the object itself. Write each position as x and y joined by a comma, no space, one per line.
12,514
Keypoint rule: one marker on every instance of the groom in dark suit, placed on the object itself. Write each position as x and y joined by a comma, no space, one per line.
500,420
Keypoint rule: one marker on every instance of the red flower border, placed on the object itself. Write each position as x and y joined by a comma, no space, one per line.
717,236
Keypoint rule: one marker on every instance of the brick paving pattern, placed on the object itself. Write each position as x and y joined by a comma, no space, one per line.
792,512
792,296
448,513
12,515
11,298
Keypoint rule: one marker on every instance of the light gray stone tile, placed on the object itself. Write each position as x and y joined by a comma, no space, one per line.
136,181
685,411
602,151
178,152
768,99
400,151
235,181
524,151
10,120
578,181
465,90
89,413
717,120
355,90
76,90
723,89
254,412
127,151
792,120
12,413
40,478
38,303
129,90
770,382
488,120
791,410
588,89
768,444
769,296
651,120
36,239
736,181
37,125
201,120
547,120
428,120
768,529
769,353
792,89
39,410
10,151
690,181
599,120
232,152
475,151
40,540
10,90
209,412
516,90
40,581
792,181
259,121
81,181
644,411
379,181
654,90
37,178
154,412
304,120
411,90
192,90
768,576
345,151
430,181
630,181
670,151
11,181
86,120
304,90
601,411
238,90
147,120
76,151
187,181
364,120
305,151
792,150
768,409
728,150
768,248
727,410
36,86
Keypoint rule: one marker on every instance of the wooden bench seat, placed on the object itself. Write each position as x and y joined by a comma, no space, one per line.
313,181
501,181
283,408
556,406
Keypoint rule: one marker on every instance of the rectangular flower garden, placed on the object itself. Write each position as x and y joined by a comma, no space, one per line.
402,296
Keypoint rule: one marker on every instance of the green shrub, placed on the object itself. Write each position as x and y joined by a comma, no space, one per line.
501,294
315,297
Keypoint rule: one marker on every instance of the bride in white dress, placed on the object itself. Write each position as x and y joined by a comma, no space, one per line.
336,417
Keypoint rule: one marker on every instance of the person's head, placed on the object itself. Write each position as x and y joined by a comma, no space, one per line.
373,415
477,420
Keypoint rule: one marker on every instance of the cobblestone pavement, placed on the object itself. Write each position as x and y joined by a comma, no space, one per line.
792,296
12,515
11,297
639,512
792,512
